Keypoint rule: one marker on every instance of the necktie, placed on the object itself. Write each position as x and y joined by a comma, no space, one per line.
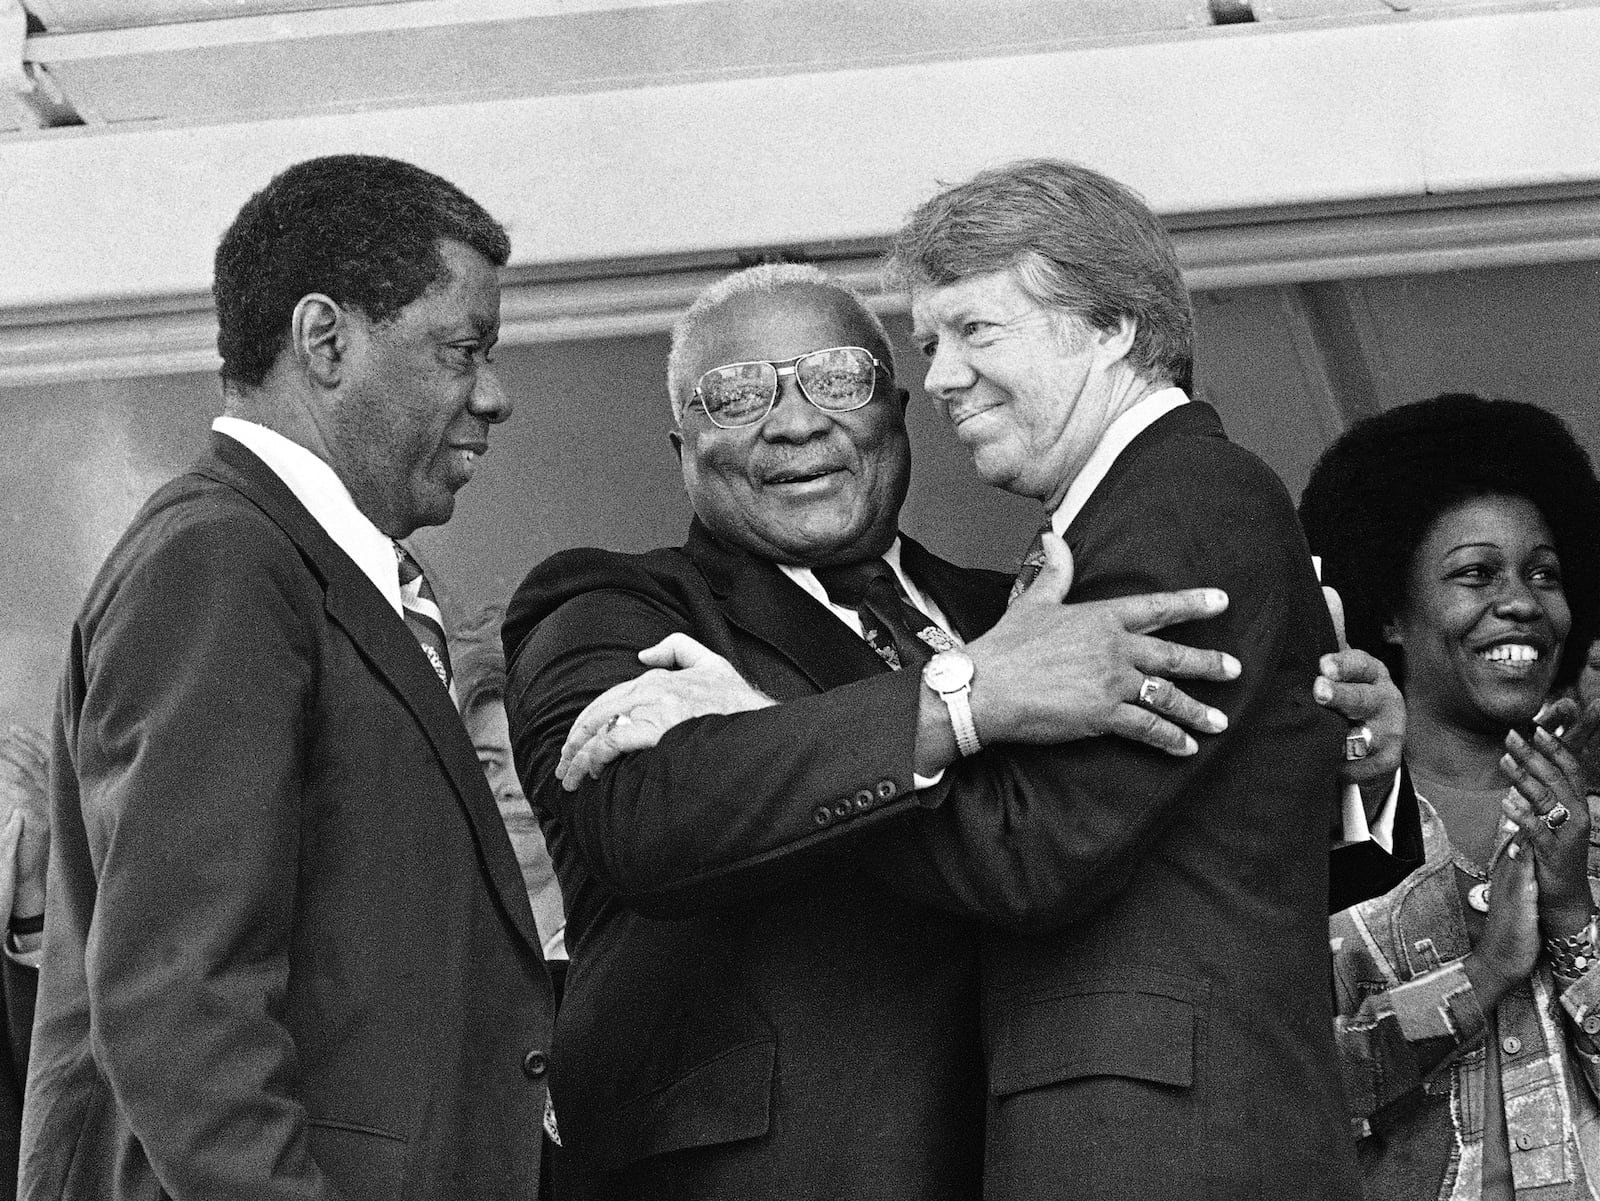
422,613
900,633
1032,565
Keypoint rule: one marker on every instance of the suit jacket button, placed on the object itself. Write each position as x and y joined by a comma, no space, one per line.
864,799
1511,1044
842,808
886,790
1591,1024
822,815
1524,1142
535,1065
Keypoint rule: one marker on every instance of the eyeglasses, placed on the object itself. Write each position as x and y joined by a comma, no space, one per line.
836,380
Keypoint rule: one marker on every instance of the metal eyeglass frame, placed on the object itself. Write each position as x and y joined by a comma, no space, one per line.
781,368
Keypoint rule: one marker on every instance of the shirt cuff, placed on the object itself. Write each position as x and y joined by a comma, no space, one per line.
919,782
1381,828
26,949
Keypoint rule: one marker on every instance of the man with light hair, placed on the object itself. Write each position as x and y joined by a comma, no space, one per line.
770,995
1175,1034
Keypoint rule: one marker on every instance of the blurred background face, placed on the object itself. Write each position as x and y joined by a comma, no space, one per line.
801,486
1589,680
1485,616
486,724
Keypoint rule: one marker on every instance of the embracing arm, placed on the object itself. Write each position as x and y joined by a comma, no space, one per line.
190,748
1032,838
725,786
1046,673
716,809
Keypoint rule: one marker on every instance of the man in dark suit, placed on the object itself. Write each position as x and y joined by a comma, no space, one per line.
1160,1022
753,1008
287,951
1156,1015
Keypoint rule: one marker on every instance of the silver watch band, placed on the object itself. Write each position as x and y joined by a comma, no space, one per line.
961,721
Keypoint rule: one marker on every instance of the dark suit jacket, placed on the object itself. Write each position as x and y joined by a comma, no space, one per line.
1158,1023
19,986
288,952
747,1014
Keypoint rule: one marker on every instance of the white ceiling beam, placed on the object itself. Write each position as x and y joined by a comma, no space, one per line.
1252,117
176,335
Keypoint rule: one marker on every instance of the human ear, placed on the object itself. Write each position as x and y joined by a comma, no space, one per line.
1114,343
674,437
318,337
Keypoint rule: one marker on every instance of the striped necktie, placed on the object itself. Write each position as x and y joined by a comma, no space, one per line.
900,633
422,613
1032,565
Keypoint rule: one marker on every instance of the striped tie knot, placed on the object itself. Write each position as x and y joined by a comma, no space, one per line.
1030,567
422,614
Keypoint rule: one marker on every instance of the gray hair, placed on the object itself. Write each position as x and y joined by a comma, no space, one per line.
688,332
1076,240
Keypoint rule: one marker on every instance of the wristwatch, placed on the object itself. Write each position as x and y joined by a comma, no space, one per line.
949,673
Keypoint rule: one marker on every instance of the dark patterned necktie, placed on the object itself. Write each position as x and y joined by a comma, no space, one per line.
422,613
1032,565
902,635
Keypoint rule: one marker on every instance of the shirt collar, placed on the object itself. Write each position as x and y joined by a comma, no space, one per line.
1112,443
318,487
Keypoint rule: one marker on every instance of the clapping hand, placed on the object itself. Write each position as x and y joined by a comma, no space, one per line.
1549,805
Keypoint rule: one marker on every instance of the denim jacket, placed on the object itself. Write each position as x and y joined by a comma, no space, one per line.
1410,1033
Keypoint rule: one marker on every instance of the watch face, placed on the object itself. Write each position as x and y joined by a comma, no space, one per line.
948,672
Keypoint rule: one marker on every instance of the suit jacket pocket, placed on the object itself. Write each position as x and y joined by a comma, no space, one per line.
1140,1031
722,1100
366,1163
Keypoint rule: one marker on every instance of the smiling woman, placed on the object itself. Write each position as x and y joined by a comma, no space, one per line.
1460,532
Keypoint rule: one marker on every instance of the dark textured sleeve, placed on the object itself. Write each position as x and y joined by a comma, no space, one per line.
723,806
19,986
188,749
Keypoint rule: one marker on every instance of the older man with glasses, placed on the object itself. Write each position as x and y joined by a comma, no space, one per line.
756,1006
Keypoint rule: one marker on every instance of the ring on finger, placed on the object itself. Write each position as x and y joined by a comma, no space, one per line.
1147,691
1358,743
617,719
1556,817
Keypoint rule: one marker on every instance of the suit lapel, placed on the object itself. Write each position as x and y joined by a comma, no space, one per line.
770,607
390,648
